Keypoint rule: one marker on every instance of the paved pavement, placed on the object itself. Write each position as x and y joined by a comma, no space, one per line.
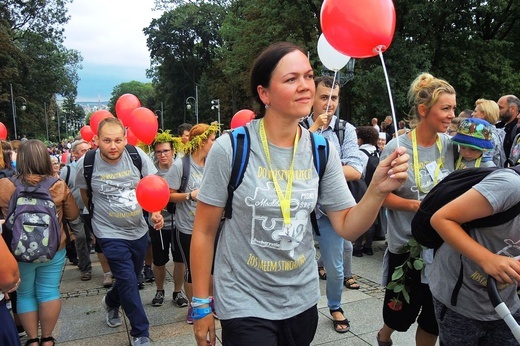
82,318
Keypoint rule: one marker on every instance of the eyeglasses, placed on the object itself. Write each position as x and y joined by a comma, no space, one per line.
162,152
55,163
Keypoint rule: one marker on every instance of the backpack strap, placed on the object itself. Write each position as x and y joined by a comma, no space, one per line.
67,176
88,168
171,207
339,130
136,158
320,154
240,143
305,123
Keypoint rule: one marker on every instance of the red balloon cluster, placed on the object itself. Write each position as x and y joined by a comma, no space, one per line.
131,138
153,193
96,118
359,29
125,105
241,118
3,132
86,133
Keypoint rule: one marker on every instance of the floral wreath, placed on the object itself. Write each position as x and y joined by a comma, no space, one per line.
197,141
163,137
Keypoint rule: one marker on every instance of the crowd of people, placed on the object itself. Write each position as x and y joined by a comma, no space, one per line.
230,253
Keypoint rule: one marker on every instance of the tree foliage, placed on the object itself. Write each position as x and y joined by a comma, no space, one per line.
470,43
34,61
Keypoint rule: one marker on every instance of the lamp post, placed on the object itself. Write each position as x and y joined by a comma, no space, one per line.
215,104
13,107
196,101
161,113
46,120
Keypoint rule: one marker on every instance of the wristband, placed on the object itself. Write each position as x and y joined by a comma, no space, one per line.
198,302
199,313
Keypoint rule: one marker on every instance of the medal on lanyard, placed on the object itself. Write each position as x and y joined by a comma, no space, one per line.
416,172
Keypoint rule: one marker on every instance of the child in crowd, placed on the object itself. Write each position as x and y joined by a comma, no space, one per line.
473,137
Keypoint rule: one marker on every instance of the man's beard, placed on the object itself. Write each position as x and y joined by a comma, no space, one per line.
506,117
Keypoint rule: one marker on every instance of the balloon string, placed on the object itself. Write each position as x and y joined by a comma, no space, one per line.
330,95
380,52
162,241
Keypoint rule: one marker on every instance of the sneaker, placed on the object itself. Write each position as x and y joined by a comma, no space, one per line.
86,276
180,300
158,299
141,340
212,305
107,280
368,251
148,274
113,317
357,253
140,281
189,316
21,331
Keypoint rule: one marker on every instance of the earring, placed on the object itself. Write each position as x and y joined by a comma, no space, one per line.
266,106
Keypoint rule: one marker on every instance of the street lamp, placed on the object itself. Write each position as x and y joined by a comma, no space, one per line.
215,104
196,101
161,114
13,106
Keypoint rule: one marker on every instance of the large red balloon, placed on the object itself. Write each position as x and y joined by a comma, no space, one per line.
3,132
86,133
152,193
131,138
97,117
358,28
144,124
125,105
242,117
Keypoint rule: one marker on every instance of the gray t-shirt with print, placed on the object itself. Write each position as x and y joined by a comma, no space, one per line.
399,222
117,215
262,270
473,300
167,217
185,213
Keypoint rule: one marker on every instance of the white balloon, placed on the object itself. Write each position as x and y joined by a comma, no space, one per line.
330,57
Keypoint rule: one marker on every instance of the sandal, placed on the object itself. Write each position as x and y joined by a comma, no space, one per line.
322,273
32,341
338,323
350,283
46,339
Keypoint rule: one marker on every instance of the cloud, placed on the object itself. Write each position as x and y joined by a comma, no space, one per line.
109,35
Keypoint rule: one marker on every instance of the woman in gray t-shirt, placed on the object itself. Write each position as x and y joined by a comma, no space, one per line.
266,287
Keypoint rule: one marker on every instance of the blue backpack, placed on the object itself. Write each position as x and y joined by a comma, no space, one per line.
32,222
241,143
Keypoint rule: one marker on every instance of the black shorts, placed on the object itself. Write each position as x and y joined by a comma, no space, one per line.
420,301
252,331
161,250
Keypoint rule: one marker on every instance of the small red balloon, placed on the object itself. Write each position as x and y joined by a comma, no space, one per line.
153,193
3,132
125,105
97,117
64,158
86,133
131,138
242,117
358,28
144,124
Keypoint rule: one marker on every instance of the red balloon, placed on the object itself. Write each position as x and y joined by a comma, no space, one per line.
153,193
125,105
64,158
86,133
242,117
144,124
3,132
358,28
97,117
130,137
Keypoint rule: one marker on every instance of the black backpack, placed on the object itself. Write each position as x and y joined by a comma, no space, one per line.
88,168
339,128
454,185
372,163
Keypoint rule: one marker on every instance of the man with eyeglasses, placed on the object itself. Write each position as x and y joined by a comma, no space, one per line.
163,240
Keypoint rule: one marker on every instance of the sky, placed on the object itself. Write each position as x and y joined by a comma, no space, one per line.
109,35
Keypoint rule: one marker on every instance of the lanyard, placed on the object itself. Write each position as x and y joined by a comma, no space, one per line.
416,161
285,201
477,162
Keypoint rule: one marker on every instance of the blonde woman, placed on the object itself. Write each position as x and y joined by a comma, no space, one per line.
489,111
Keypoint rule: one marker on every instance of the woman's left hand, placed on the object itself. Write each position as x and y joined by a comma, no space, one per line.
158,221
391,172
